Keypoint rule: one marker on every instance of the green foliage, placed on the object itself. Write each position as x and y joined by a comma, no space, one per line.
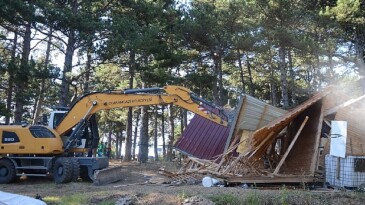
225,199
75,199
284,196
4,111
253,198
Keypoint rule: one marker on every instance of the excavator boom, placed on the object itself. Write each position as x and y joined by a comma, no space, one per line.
94,102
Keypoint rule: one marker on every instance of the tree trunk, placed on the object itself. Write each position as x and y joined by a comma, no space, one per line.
242,75
155,139
171,134
316,74
11,70
67,68
144,138
252,89
135,137
128,140
118,144
88,68
360,55
216,89
185,118
40,99
22,75
220,81
283,78
182,125
272,80
163,132
292,84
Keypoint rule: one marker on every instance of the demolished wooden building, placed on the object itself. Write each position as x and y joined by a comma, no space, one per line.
288,148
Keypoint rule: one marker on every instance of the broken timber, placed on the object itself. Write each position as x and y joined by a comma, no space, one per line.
287,149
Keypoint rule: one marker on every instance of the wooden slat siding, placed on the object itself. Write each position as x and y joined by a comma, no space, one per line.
354,115
300,158
290,146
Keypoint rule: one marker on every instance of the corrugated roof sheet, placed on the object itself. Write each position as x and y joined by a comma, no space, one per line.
252,114
203,138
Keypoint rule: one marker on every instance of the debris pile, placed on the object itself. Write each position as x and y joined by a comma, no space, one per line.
280,146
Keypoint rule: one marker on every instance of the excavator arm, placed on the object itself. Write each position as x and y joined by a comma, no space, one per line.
89,104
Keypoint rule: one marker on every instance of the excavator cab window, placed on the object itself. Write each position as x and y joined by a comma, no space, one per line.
41,132
57,118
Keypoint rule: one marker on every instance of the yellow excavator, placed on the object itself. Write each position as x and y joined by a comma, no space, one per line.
63,149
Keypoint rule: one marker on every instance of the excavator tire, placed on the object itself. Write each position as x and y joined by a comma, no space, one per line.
7,171
62,170
75,169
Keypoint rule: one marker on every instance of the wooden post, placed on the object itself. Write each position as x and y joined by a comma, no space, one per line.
315,157
290,146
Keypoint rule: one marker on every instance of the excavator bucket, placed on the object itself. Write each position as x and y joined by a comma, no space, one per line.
107,175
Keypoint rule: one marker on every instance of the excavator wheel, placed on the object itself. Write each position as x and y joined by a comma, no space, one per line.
7,171
62,170
75,169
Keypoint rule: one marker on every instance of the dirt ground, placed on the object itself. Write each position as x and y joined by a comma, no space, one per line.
141,184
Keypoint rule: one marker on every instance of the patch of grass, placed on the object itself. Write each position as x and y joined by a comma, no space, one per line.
108,202
51,200
284,198
75,199
225,199
253,198
183,195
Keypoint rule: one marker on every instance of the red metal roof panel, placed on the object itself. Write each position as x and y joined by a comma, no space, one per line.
203,138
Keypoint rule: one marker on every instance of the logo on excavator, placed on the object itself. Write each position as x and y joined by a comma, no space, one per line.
142,100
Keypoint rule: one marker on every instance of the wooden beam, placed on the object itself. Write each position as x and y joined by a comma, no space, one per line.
291,146
317,139
264,180
262,144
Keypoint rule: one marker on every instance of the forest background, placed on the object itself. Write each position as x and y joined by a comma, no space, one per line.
279,51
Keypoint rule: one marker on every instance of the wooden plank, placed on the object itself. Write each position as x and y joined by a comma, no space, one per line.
317,139
262,144
227,152
258,180
291,146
